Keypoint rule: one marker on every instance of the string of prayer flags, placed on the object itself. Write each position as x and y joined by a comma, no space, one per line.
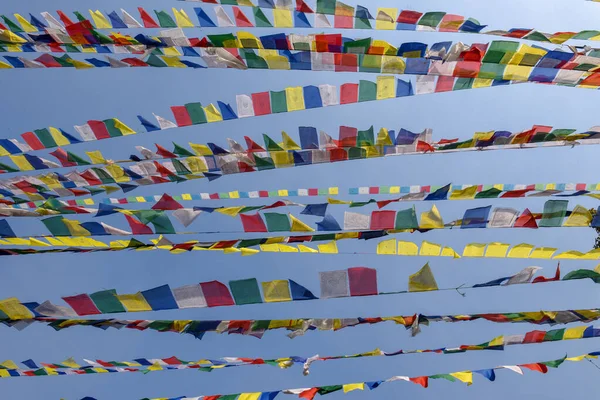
69,366
338,16
357,281
409,193
389,220
286,245
98,179
465,377
298,327
469,73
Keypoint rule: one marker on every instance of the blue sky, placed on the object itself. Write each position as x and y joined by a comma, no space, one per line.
63,98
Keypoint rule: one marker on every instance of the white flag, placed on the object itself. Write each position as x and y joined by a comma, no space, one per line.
245,107
223,20
164,123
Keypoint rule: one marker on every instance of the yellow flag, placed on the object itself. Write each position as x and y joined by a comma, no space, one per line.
328,248
201,149
174,62
306,249
134,302
386,18
248,252
231,250
288,143
353,386
568,255
580,216
284,248
182,19
276,291
171,51
299,226
22,163
282,18
464,376
574,333
449,252
497,341
520,251
248,40
543,253
497,250
430,249
422,281
269,247
37,243
70,362
212,113
383,138
155,367
96,157
474,250
431,219
75,228
295,98
407,248
336,201
14,309
27,27
100,20
387,247
9,364
125,130
231,211
58,136
464,194
80,64
250,396
386,87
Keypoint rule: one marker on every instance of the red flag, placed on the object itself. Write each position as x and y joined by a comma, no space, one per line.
262,103
252,145
421,380
48,61
161,151
363,281
349,93
82,304
32,140
134,62
65,20
164,171
182,116
541,279
383,220
137,227
535,367
447,141
147,19
166,202
62,157
424,147
253,223
245,167
309,394
216,294
301,6
526,220
99,129
240,19
409,17
90,178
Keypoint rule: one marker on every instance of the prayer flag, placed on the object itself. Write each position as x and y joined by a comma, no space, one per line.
134,302
276,291
277,222
423,280
216,294
106,301
334,284
475,218
190,296
554,213
299,292
245,291
363,281
431,219
160,298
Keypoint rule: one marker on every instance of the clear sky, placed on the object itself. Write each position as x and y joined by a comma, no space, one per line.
39,98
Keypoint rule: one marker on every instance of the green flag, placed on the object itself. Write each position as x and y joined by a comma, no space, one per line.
491,193
366,138
278,102
111,128
367,91
196,113
165,20
245,291
181,151
277,222
270,144
106,301
582,274
406,219
45,137
431,19
72,157
260,19
554,213
326,7
56,226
